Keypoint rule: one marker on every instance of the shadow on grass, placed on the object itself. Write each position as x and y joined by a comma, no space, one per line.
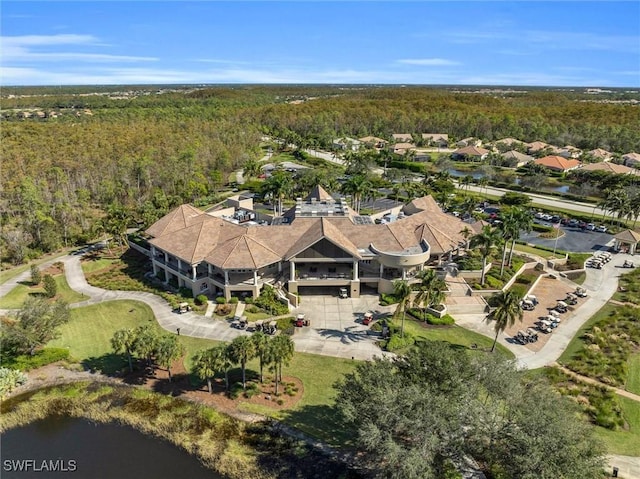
322,422
109,364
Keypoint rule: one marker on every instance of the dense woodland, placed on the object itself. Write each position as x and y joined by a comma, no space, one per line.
114,156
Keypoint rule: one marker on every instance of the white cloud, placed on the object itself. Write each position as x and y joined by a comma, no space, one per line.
429,62
40,40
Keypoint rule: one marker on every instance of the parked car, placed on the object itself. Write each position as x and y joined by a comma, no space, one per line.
591,226
601,229
573,223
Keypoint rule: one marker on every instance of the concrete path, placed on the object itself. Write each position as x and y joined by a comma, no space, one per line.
595,382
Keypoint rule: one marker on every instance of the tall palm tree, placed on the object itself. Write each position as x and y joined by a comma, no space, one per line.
358,186
465,181
242,350
280,353
483,182
251,168
430,290
524,224
485,241
402,291
278,186
206,365
262,346
634,209
510,230
168,350
466,233
506,313
124,340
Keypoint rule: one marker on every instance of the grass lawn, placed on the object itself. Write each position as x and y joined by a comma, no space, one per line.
314,414
7,274
92,265
454,335
531,250
633,378
17,296
577,343
626,443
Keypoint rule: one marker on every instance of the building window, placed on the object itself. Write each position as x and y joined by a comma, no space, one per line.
204,286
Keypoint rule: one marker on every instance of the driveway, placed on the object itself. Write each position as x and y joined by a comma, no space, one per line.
574,240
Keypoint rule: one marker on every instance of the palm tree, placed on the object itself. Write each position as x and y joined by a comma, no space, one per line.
466,233
357,186
278,185
251,168
465,181
168,350
486,241
430,289
242,350
524,224
262,346
402,291
206,365
483,182
634,208
280,353
124,340
145,343
510,229
506,313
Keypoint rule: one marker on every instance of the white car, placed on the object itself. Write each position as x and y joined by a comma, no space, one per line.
591,227
601,229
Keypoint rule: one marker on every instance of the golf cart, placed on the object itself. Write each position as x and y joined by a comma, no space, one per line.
300,321
562,307
627,264
342,293
271,327
581,292
184,308
571,299
367,318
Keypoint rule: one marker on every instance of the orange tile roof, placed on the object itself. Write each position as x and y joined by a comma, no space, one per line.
557,162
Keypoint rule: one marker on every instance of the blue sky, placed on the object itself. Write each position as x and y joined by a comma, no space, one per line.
559,43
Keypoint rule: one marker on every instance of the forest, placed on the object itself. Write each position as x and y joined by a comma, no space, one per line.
78,162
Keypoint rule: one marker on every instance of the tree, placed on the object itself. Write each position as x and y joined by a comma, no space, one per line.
145,343
262,346
485,241
511,198
124,340
523,223
50,286
241,350
36,275
358,186
278,186
281,352
430,289
205,366
168,349
507,311
35,324
402,291
251,168
437,404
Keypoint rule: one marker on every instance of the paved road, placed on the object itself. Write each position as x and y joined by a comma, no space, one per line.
574,239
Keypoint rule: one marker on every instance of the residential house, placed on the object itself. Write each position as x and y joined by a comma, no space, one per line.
373,142
401,148
516,159
319,243
611,168
509,142
346,144
558,163
537,146
440,140
469,142
402,138
569,152
631,159
470,153
600,154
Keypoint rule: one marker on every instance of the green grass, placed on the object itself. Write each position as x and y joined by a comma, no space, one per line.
454,335
624,442
17,296
577,343
531,250
633,377
7,274
92,265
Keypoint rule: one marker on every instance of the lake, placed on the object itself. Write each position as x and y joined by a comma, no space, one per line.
77,448
477,175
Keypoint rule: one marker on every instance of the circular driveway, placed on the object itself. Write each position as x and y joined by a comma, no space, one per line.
574,240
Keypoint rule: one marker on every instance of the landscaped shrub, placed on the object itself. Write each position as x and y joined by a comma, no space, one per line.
50,286
252,390
422,315
397,342
387,299
233,300
248,300
223,309
36,275
221,300
541,228
185,293
9,380
26,362
201,299
252,309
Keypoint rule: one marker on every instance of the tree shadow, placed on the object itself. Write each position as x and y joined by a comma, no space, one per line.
109,364
348,335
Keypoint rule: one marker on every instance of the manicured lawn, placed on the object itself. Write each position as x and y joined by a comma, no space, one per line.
633,378
531,250
454,335
17,296
624,442
8,274
92,265
577,343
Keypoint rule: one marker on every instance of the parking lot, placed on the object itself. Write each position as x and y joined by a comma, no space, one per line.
574,239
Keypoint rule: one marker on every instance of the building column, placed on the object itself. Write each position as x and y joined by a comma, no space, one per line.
292,270
155,268
193,271
226,277
404,274
355,269
279,266
255,277
209,269
166,258
381,269
179,267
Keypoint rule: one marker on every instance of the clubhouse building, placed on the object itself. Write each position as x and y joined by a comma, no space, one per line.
318,243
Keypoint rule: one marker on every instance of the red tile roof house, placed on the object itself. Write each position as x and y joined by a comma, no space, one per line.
557,163
320,245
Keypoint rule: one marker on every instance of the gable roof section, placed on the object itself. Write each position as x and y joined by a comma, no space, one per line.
319,193
322,229
181,217
611,168
516,155
600,153
557,162
242,252
628,236
472,151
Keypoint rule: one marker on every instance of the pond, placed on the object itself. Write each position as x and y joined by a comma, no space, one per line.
477,175
77,448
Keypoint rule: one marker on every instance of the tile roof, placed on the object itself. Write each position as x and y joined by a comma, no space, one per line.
402,137
600,153
179,218
557,162
319,193
628,236
471,151
243,251
537,145
516,155
611,168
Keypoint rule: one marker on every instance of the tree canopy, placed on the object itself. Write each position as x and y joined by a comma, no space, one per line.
437,408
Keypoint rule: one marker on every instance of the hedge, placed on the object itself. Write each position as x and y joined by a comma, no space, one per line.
26,362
